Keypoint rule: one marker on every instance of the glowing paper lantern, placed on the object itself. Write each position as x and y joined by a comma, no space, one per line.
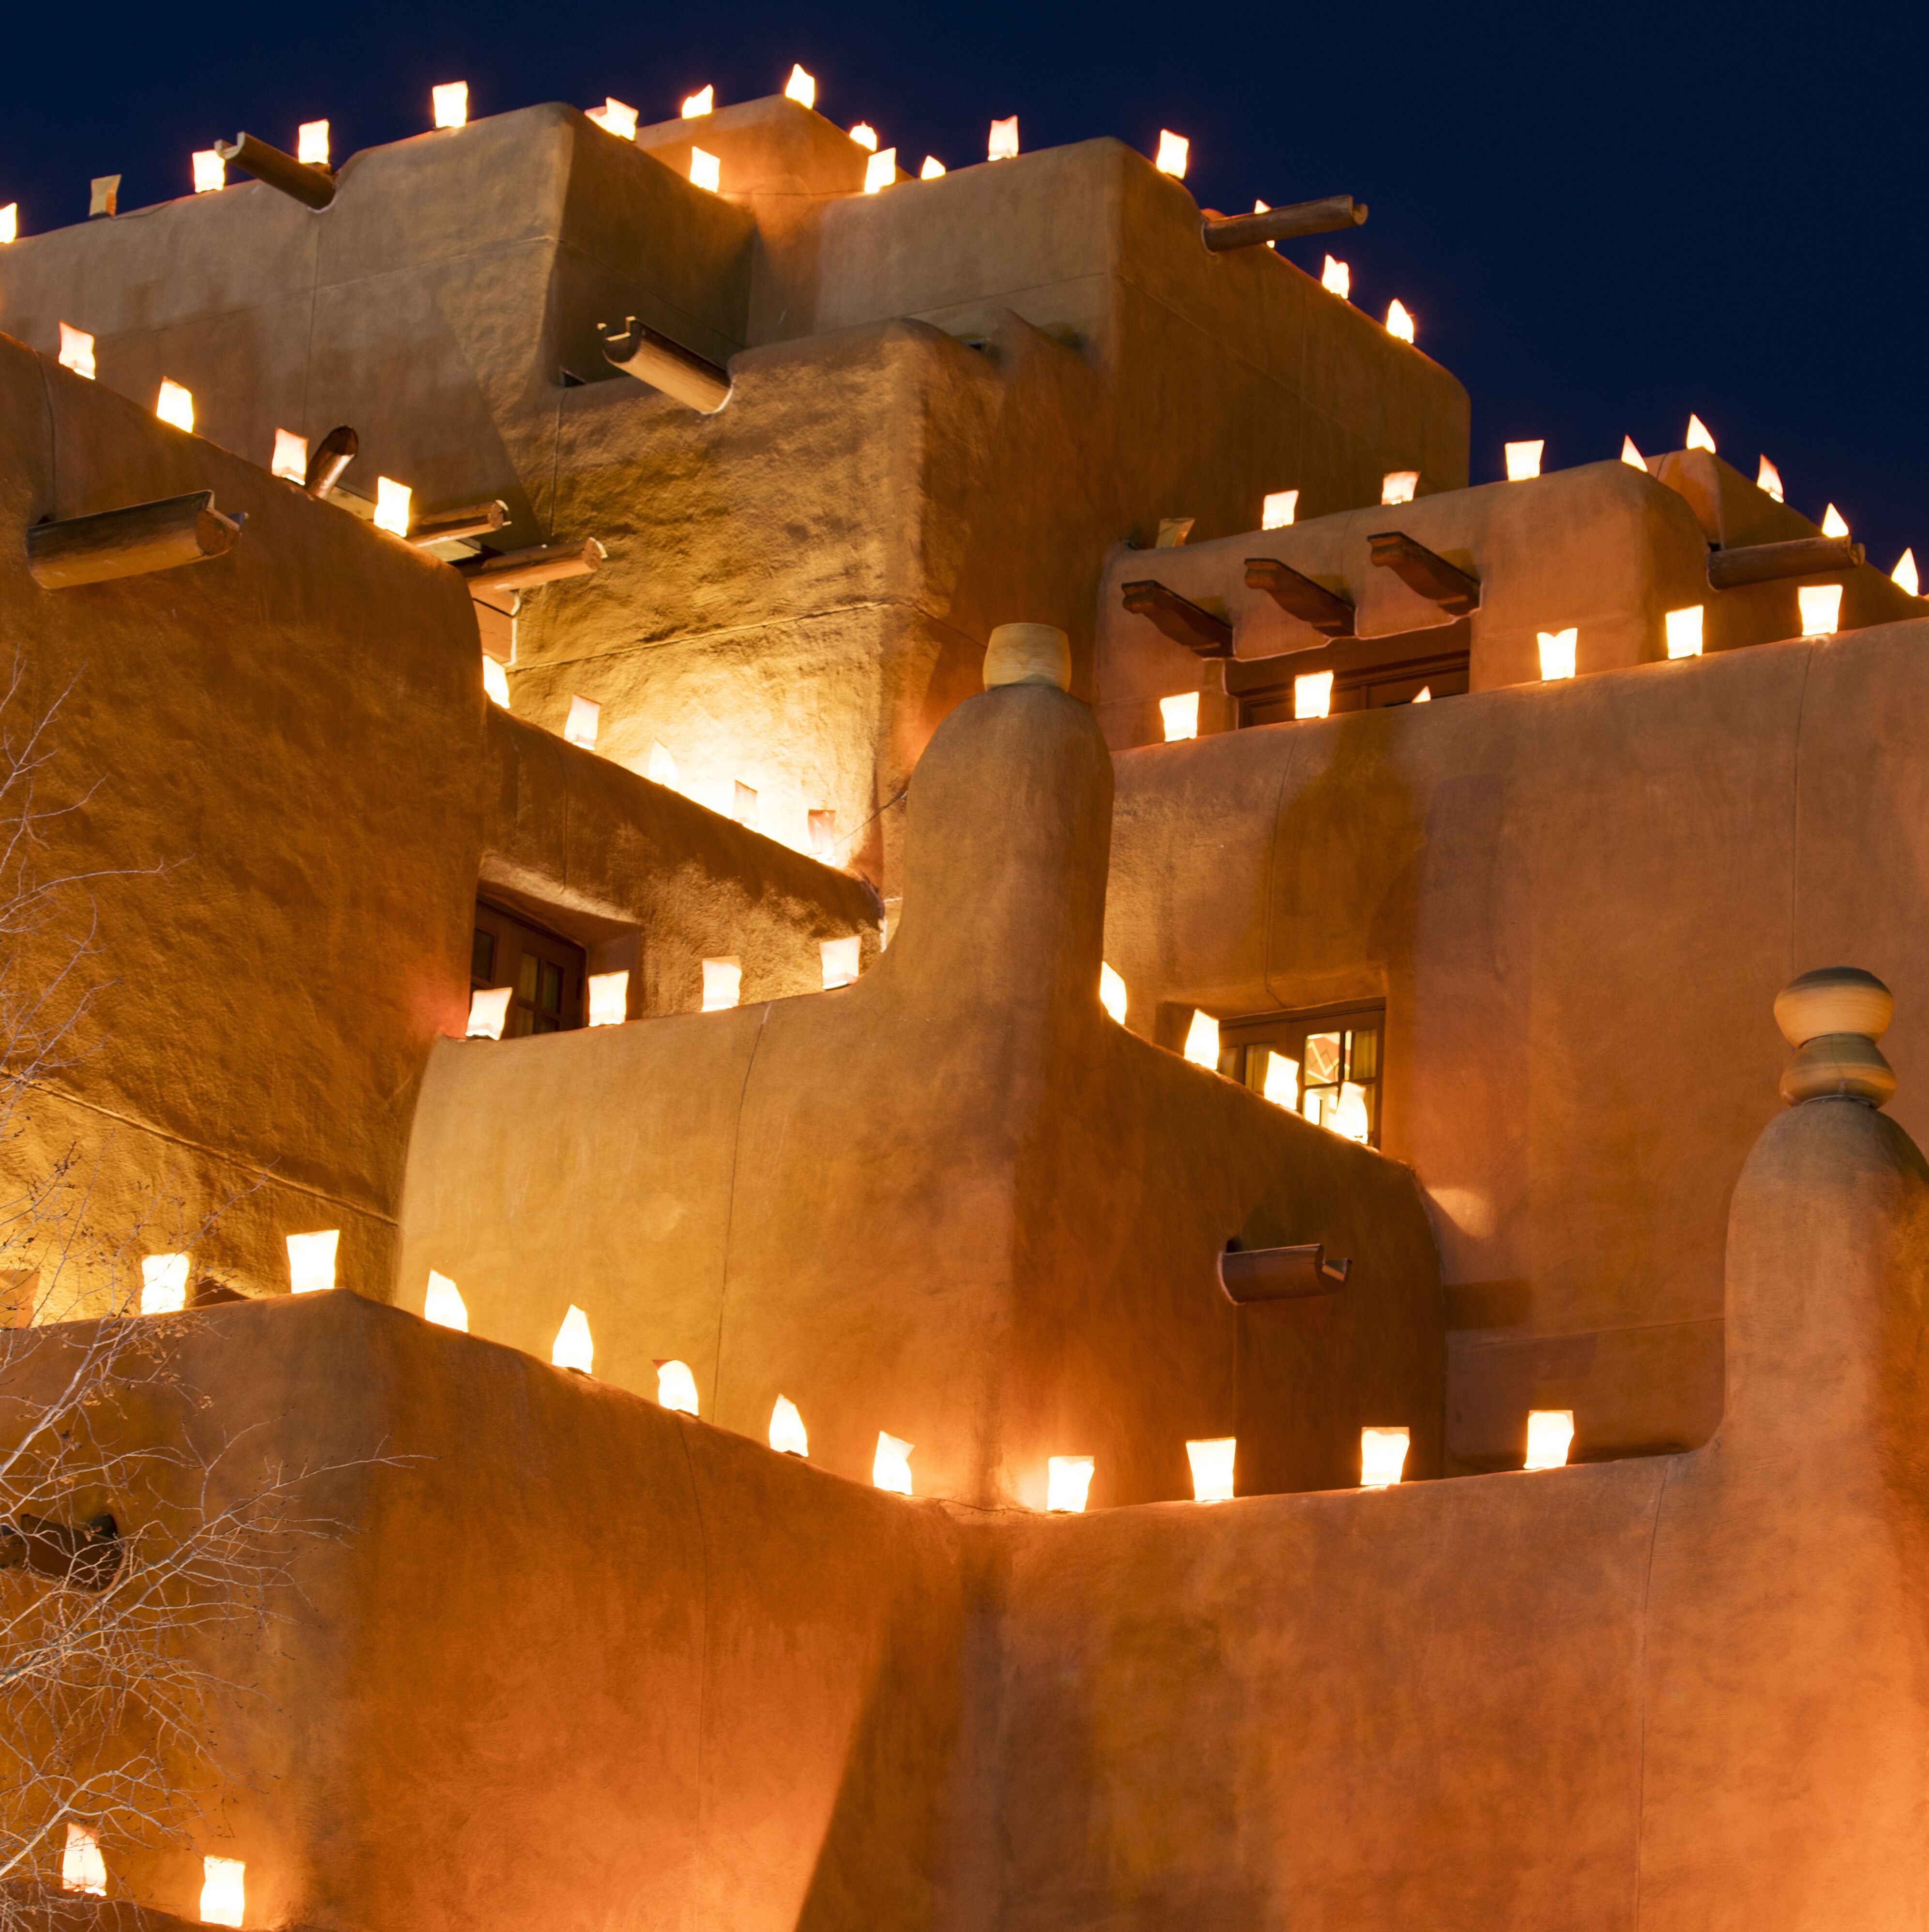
700,103
1278,509
706,170
1424,695
210,172
1399,322
450,102
81,1867
103,196
291,456
1684,632
1336,278
721,979
1832,523
1769,477
10,223
933,167
743,804
573,1348
1904,573
1212,1468
488,1010
787,1430
495,681
662,770
821,826
174,405
311,144
1181,716
311,1261
1202,1041
163,1284
1068,1481
1265,208
1003,145
1111,992
1632,456
1549,1431
586,716
865,135
443,1304
881,170
891,1467
223,1891
1347,1117
615,117
1523,460
675,1387
1698,437
1282,1082
1382,1457
1312,695
1821,606
1173,149
839,957
392,506
609,998
77,350
1397,486
802,88
1557,652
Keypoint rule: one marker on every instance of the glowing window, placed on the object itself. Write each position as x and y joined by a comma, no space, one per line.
543,974
1326,1064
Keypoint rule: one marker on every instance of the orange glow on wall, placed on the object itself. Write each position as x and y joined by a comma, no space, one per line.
694,106
787,1430
1212,1468
1558,651
865,135
1684,629
210,172
450,104
675,1387
1769,477
1904,574
175,405
290,460
1821,607
891,1467
1336,279
585,720
706,170
722,980
488,1010
609,998
1632,456
881,171
802,88
1278,509
392,505
615,117
163,1284
1202,1041
311,1261
311,144
1173,150
443,1304
1068,1482
1523,460
1111,992
1382,1457
1003,144
1312,695
77,350
1698,437
933,167
1282,1082
1833,524
1550,1431
1180,716
574,1347
224,1891
1399,323
1397,486
81,1867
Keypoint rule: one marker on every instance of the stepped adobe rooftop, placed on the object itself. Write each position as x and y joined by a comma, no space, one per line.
1025,1138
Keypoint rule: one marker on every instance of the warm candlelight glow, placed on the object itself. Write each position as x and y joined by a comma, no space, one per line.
1003,146
77,350
1549,1431
291,456
210,172
1111,992
1282,1082
1632,456
10,223
865,135
488,1011
1698,437
1833,523
1212,1468
1068,1482
609,998
1312,695
891,1467
802,88
675,1387
585,719
1336,278
1523,460
1181,716
615,117
1399,322
224,1891
1557,652
81,1867
1904,573
706,170
722,979
451,103
1278,511
1397,486
662,770
787,1430
495,681
163,1284
881,170
311,144
1172,151
443,1305
175,404
839,959
1769,477
933,167
1821,606
703,102
1382,1457
392,506
1684,632
311,1261
1202,1041
574,1347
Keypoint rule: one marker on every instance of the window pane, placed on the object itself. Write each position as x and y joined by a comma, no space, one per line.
482,956
1365,1055
551,1001
1322,1059
526,978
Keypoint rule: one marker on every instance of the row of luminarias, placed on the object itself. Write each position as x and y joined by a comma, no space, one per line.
224,1881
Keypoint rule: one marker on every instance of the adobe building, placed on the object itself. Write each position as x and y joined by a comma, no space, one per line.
889,978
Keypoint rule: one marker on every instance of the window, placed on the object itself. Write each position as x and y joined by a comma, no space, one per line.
1368,673
1326,1065
545,971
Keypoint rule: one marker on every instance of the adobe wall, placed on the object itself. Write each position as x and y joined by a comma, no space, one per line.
1576,900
